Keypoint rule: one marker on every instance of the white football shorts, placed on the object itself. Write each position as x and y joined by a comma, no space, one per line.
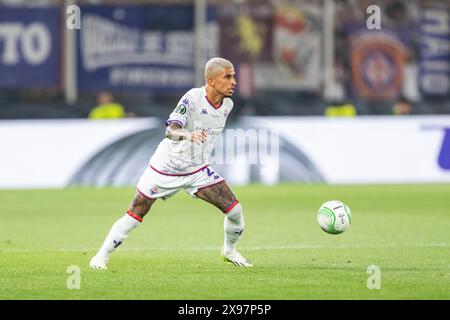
155,184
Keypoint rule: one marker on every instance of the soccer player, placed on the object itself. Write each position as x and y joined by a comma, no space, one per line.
181,162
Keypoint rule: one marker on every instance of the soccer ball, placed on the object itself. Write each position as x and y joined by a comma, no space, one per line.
334,217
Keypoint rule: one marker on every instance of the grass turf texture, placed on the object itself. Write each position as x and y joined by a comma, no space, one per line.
175,253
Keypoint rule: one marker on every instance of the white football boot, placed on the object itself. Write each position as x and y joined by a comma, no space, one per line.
98,263
236,258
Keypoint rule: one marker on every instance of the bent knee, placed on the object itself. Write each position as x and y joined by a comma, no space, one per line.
141,205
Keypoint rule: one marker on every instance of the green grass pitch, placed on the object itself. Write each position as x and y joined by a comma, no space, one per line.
175,253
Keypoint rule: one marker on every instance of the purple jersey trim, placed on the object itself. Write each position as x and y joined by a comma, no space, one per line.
168,122
177,175
212,105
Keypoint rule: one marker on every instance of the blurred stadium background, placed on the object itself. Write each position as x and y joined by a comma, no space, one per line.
312,66
292,57
343,106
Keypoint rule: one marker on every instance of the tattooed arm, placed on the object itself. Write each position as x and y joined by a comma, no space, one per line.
176,133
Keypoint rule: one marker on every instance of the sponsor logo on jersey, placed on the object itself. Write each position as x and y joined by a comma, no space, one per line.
204,111
181,109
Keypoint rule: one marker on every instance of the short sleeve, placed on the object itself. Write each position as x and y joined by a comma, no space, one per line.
182,112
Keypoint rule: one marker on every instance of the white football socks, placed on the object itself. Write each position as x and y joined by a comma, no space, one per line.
233,226
118,233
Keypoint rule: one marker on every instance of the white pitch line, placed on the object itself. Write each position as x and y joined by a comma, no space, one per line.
282,247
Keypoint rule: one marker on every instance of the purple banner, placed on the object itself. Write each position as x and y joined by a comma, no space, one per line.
29,47
145,48
435,49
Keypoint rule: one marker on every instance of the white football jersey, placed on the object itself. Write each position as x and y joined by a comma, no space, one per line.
193,112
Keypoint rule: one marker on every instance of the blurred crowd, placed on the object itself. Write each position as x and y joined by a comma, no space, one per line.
277,48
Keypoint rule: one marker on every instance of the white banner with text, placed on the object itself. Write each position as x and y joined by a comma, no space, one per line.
268,150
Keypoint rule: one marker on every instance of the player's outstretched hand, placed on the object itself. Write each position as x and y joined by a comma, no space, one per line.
198,136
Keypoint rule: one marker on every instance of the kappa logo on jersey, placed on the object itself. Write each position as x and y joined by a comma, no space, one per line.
204,111
116,243
225,113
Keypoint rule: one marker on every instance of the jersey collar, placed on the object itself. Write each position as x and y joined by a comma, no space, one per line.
209,102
